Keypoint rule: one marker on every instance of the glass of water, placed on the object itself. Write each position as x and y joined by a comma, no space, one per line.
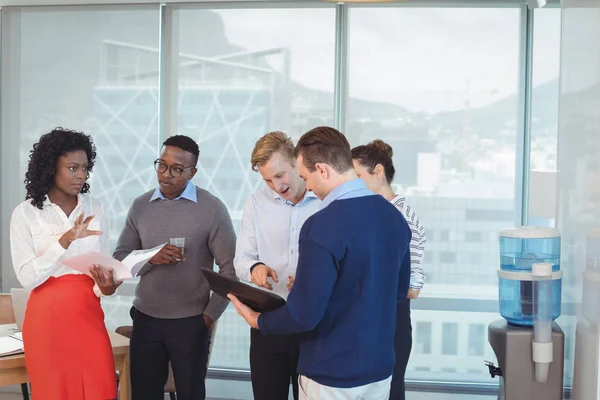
178,242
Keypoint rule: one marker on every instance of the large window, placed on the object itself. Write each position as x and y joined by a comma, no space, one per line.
544,116
544,152
449,342
93,70
241,74
440,86
544,96
477,340
422,335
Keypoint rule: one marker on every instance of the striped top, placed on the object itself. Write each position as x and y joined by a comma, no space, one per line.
417,241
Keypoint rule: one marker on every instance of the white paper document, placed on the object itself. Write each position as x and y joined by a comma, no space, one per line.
126,269
10,346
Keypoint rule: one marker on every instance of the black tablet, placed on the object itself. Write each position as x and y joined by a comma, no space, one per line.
257,299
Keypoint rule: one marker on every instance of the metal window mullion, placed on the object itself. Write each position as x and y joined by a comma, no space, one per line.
168,73
523,137
13,190
341,67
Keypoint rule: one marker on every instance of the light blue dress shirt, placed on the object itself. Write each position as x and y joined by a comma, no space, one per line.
347,190
269,234
189,193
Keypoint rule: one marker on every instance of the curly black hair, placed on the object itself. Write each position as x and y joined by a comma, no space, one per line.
44,158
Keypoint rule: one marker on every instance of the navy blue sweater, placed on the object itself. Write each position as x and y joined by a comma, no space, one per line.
353,269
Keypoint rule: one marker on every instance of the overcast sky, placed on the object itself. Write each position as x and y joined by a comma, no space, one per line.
424,59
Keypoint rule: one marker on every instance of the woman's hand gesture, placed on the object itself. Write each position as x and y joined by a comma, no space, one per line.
79,231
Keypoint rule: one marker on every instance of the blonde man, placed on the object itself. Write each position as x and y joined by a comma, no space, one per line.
267,255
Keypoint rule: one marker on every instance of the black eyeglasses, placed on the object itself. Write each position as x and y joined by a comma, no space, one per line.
174,170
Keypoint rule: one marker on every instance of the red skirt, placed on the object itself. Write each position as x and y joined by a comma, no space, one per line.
67,349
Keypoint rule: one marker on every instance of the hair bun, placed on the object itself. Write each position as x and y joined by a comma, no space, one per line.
383,147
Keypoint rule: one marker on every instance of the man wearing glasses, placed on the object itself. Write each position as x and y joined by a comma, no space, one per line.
173,311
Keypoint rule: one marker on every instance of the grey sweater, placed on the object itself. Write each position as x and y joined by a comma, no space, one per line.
180,290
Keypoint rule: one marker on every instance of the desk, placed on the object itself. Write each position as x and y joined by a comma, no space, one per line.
13,371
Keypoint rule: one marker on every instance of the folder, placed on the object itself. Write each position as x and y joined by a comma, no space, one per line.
257,299
11,345
126,269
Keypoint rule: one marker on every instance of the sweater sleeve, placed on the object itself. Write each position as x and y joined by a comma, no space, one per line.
221,243
316,276
129,240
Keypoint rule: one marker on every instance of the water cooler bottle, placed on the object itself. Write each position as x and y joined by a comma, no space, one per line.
528,344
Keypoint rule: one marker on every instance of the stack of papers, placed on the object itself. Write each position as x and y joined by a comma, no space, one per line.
126,269
11,345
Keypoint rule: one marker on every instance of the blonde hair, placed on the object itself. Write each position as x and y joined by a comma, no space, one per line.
269,144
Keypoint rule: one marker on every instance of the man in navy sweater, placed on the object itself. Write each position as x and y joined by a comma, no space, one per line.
353,269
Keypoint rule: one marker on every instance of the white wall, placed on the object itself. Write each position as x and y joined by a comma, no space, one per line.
579,179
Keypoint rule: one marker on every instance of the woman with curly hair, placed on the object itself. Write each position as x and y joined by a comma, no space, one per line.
63,320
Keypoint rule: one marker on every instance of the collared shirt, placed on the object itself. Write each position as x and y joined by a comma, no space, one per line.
189,193
269,235
34,234
417,241
347,190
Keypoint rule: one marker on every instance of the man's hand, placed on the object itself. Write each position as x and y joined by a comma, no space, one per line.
106,284
260,273
246,312
167,255
413,293
78,231
291,280
208,321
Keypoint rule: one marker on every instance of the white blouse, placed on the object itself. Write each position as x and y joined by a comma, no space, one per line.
34,235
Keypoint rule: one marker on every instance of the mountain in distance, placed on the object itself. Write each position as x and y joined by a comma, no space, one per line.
491,118
498,114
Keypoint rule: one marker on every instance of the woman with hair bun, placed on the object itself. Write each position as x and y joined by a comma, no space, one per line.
373,164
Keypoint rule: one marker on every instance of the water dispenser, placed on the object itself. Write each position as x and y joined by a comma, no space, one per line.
528,344
520,249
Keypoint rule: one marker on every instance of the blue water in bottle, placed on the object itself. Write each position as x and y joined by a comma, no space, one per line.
519,249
